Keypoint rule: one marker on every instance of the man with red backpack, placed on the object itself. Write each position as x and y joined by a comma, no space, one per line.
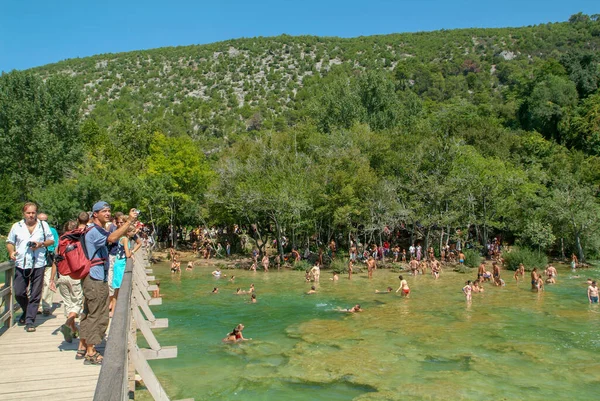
94,320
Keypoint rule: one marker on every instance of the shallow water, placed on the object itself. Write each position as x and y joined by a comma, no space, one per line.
509,343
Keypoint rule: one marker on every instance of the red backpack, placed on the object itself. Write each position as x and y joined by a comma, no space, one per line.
71,254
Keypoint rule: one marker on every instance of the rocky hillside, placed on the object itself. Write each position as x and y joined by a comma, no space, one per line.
216,89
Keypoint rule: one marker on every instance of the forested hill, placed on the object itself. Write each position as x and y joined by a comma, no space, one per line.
437,135
216,89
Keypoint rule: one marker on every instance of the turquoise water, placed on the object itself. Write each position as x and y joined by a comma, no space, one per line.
509,343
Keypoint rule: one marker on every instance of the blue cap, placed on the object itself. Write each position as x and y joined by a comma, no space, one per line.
99,206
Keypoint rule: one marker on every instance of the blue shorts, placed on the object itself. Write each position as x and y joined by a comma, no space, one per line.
594,300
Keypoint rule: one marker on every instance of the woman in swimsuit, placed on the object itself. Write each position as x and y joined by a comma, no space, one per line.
404,287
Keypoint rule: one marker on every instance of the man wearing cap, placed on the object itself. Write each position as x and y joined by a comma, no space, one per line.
94,321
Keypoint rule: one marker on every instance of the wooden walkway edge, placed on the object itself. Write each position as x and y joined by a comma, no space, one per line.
41,365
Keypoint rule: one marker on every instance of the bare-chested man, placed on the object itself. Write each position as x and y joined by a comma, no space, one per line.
352,252
592,293
332,249
534,279
481,271
371,265
414,266
496,273
520,272
551,274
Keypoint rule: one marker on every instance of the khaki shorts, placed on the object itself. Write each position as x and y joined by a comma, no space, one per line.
71,293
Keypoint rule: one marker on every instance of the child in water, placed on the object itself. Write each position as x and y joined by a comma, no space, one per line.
467,290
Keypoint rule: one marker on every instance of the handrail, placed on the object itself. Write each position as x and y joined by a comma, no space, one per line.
112,382
6,294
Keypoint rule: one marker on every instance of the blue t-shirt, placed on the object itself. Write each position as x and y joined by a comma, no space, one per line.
52,247
95,243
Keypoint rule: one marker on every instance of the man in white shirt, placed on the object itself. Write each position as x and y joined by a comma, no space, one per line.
26,245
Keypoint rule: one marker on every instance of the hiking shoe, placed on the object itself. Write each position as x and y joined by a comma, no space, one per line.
67,333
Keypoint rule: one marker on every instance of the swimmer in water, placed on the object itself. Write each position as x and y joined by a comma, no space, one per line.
354,309
253,299
236,335
387,291
239,291
312,290
335,277
215,290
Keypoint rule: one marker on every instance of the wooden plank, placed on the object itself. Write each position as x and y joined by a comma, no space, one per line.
4,266
143,326
162,323
155,301
76,392
5,291
6,316
16,376
140,302
163,353
150,380
39,385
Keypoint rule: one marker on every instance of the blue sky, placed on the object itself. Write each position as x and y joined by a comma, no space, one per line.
35,32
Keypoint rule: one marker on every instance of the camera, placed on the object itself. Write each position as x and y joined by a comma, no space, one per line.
138,211
31,244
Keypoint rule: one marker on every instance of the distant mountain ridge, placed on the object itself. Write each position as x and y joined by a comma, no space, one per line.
217,88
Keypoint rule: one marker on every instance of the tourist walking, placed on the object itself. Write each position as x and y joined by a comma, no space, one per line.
26,245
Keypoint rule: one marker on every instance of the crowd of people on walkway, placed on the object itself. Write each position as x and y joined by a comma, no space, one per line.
34,248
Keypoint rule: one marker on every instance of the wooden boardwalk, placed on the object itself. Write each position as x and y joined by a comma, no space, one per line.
41,365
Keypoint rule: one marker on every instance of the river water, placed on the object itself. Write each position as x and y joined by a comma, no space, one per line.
507,344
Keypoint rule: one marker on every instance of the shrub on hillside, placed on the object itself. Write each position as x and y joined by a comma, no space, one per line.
302,265
529,258
472,257
339,266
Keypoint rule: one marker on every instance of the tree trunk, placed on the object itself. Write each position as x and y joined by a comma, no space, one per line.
279,246
579,247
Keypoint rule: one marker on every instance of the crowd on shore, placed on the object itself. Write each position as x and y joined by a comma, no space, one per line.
415,262
111,239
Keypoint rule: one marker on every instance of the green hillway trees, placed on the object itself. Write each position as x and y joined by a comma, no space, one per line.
440,148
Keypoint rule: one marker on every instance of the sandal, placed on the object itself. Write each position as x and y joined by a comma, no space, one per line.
30,328
95,359
80,354
22,320
67,333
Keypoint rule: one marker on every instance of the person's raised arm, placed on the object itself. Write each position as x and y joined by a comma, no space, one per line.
121,231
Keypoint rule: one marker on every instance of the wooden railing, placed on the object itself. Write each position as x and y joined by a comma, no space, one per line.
6,296
122,357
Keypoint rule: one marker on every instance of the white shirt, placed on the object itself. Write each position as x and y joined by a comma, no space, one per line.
19,236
